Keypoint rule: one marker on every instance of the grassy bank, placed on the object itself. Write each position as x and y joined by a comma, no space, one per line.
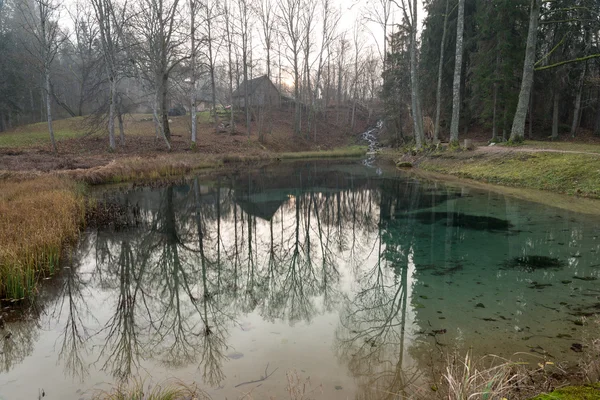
567,173
180,164
38,217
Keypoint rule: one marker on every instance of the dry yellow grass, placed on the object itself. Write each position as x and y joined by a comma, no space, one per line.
38,217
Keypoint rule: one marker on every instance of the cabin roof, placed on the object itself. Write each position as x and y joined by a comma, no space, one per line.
253,84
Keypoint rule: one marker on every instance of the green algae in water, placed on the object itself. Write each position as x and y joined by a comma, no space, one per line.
533,263
466,221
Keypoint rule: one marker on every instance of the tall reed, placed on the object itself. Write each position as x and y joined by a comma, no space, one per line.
38,217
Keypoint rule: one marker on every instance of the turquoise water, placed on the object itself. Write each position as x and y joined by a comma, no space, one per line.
354,280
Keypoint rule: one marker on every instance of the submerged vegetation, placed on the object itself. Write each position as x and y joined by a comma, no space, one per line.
533,263
466,221
38,217
168,390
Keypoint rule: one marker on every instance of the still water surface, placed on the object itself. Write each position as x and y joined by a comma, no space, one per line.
355,279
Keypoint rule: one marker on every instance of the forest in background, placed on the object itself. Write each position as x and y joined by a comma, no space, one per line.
106,58
525,67
514,68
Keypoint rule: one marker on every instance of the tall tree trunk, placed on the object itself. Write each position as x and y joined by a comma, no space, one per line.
49,109
597,125
531,115
414,80
111,112
120,119
297,115
211,60
165,109
504,124
159,123
157,128
438,96
518,128
577,111
193,68
555,115
494,119
228,33
339,93
460,27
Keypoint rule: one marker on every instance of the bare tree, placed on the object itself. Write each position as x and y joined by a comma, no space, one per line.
266,16
227,16
343,46
41,21
159,43
358,46
194,4
110,31
380,12
244,29
329,21
211,13
290,16
86,34
307,45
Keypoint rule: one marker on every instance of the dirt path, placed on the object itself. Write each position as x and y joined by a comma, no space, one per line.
508,150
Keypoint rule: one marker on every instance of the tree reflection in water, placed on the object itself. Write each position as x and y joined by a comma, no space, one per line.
172,291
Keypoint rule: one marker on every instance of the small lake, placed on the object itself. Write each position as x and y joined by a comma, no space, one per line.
357,278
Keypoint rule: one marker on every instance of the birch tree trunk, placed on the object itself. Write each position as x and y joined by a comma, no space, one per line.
229,38
577,111
414,80
555,115
49,108
46,38
460,27
121,127
518,128
193,67
165,109
438,96
111,113
211,59
494,119
597,125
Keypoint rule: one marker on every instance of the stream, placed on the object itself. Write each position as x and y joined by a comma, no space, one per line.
371,136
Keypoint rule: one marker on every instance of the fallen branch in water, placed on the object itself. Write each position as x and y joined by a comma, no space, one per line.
262,378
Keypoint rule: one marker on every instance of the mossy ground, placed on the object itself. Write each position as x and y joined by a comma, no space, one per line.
572,393
568,173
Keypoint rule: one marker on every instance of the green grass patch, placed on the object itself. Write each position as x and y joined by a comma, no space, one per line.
572,393
574,174
37,134
342,152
